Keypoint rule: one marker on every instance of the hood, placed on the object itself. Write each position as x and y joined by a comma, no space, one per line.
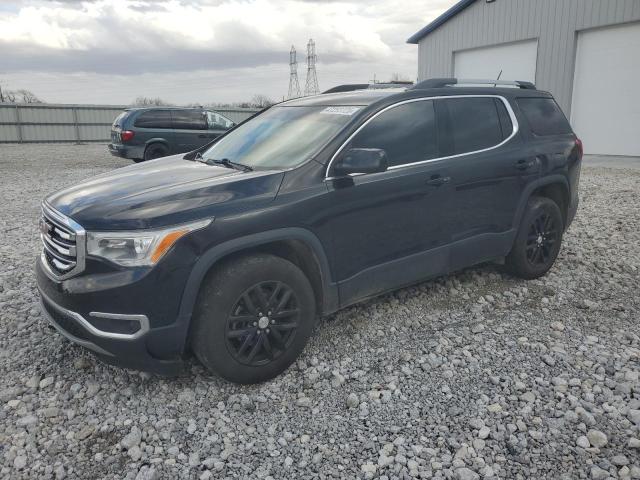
163,192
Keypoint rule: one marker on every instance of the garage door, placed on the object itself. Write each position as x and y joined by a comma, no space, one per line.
605,110
517,61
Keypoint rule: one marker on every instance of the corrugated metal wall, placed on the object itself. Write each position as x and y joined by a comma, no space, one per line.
71,123
555,23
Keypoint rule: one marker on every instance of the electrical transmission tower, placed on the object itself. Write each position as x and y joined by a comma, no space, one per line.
294,85
311,85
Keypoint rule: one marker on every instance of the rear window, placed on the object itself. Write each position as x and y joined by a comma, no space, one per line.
189,120
544,116
120,119
473,124
154,119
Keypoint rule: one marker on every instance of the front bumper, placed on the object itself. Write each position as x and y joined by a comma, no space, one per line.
85,310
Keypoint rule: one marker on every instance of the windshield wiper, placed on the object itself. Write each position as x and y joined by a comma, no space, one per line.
225,162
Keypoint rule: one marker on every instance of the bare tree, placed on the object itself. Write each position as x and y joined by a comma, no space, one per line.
18,96
27,96
261,101
148,101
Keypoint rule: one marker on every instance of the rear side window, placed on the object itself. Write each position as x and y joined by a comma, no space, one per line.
544,116
154,119
189,120
473,124
407,133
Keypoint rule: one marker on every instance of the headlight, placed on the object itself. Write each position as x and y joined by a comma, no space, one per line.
139,247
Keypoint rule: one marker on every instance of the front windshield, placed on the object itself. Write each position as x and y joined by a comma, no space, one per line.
281,137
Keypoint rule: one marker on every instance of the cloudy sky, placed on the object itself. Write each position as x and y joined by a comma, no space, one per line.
201,51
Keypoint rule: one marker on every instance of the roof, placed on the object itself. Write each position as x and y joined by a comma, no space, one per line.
354,97
446,16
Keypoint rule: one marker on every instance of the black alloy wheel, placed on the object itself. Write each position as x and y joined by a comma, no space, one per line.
262,323
538,239
253,317
543,235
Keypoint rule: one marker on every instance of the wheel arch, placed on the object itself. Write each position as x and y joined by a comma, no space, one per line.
298,245
555,187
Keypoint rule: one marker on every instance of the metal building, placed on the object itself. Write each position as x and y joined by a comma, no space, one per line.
585,52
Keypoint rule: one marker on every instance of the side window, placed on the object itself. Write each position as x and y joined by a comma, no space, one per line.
154,119
544,116
505,120
189,120
473,124
407,133
217,121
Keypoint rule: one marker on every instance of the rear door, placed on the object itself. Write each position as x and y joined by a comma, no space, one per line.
490,168
190,127
116,127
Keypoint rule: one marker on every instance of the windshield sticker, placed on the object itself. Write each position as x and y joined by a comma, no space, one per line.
340,110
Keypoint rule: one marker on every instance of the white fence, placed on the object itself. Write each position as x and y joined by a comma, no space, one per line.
42,122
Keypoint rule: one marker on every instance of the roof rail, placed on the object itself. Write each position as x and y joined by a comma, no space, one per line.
349,87
448,82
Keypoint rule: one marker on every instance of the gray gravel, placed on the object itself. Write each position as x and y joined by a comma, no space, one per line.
476,375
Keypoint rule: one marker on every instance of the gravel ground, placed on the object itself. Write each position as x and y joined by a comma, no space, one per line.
476,375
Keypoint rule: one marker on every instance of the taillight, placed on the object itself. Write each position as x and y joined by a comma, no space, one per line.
580,148
126,135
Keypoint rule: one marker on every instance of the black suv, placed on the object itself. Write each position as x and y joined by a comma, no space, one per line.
148,133
234,250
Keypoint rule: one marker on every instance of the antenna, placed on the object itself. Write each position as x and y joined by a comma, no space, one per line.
499,75
311,85
294,85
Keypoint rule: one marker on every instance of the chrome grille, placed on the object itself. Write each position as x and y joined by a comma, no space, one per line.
63,242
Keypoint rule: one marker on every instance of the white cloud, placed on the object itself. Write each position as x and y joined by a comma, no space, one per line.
89,43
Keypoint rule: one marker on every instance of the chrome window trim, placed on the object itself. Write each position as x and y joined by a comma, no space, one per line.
80,236
512,116
142,319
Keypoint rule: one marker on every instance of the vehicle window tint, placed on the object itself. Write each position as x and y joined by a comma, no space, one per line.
505,120
407,133
544,116
217,121
119,119
473,124
189,119
154,119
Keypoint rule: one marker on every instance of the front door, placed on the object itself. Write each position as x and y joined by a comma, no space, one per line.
390,228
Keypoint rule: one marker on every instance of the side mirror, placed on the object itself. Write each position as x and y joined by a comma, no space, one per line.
361,160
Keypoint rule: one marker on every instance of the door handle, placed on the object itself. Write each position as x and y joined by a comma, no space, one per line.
202,135
524,164
437,180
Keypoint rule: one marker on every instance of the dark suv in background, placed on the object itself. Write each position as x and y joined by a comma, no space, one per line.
317,203
148,133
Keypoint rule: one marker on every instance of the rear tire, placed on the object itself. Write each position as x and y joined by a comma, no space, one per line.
253,318
538,241
155,150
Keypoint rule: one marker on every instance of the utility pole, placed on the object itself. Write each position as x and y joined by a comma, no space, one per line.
294,85
311,85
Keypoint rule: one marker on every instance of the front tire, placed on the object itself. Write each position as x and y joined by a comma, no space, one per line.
538,240
253,318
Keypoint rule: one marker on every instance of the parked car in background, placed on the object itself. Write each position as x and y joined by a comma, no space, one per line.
148,133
